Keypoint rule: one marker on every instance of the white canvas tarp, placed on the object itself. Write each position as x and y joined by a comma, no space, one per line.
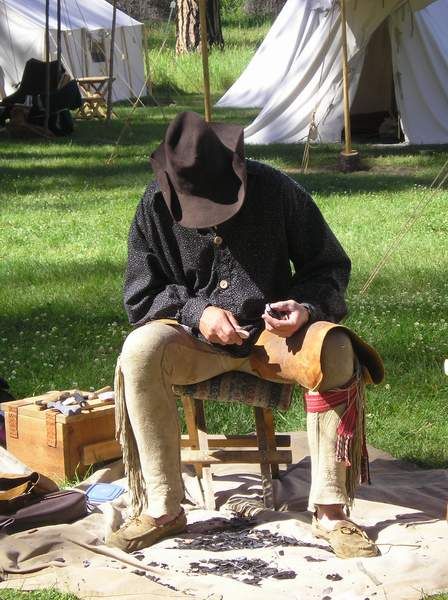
303,78
86,28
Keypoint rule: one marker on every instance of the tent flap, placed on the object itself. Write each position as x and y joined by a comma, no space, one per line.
296,75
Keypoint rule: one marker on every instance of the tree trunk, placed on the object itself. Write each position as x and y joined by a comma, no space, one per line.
187,26
188,36
214,28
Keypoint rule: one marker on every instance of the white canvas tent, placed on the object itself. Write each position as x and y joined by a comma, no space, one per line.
86,27
394,47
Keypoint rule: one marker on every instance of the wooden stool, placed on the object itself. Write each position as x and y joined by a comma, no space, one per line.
203,450
93,91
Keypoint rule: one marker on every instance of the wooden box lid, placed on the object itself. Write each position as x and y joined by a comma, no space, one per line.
27,406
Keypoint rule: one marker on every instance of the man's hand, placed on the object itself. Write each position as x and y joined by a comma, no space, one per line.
294,316
219,326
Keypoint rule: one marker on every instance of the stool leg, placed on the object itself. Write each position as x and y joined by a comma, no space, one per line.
207,480
197,432
193,437
263,446
270,434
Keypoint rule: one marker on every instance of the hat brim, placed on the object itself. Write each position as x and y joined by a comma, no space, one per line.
203,213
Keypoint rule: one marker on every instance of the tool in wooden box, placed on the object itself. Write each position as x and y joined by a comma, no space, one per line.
72,402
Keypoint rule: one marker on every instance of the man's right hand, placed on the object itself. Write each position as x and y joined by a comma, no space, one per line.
219,326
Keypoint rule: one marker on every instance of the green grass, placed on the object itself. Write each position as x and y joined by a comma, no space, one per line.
173,76
64,218
65,214
48,594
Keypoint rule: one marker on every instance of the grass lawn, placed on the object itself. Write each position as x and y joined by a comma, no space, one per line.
64,218
65,215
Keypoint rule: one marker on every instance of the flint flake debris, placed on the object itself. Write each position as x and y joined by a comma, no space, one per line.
250,571
333,577
241,536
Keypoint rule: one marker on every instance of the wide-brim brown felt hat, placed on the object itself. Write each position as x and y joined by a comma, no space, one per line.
201,170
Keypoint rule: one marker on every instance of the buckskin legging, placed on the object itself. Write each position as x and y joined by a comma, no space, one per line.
158,355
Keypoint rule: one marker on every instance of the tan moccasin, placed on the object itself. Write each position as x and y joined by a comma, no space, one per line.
347,540
142,531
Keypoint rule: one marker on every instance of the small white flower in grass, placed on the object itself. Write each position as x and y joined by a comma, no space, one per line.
387,386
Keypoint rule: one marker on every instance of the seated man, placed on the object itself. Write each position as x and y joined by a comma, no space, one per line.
210,246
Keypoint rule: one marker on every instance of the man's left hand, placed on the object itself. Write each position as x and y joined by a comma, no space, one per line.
294,316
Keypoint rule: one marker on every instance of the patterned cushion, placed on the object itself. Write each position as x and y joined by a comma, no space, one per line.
240,387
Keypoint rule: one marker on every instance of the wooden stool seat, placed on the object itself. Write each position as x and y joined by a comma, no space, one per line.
203,450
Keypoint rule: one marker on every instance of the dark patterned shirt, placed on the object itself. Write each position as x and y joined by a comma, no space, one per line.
176,272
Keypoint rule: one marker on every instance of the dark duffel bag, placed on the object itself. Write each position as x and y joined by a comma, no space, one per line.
23,507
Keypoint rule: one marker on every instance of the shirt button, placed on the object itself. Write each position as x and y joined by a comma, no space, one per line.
217,240
223,284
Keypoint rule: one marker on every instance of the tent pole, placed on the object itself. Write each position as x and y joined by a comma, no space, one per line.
111,61
204,51
59,40
146,52
47,64
349,157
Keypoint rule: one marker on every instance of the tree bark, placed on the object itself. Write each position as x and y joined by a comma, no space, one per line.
187,25
214,27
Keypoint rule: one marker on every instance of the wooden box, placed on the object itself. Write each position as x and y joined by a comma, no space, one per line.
61,447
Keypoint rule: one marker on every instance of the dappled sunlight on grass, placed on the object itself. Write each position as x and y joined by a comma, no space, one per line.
66,207
65,217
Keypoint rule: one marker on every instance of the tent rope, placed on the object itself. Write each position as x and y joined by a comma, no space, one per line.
75,43
437,183
313,131
114,153
167,32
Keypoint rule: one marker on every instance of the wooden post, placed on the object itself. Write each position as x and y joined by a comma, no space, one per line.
47,64
111,61
147,62
59,40
204,51
349,157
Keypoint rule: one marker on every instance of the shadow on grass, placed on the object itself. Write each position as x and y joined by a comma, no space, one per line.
110,177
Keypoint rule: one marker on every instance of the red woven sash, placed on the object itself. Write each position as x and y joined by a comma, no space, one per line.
353,397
